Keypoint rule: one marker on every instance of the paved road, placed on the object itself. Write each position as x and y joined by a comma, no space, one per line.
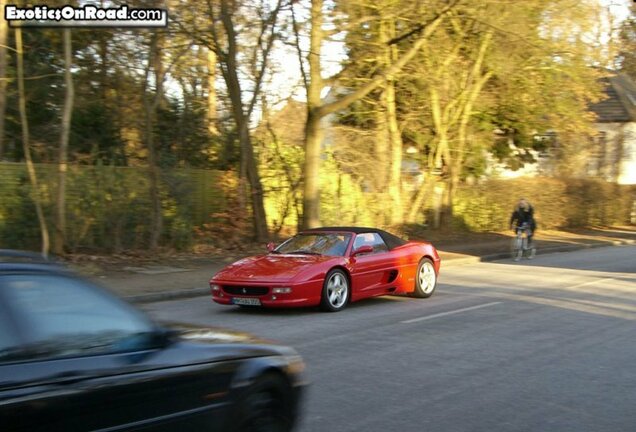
542,345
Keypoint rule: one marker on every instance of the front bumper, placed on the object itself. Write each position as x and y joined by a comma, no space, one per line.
302,295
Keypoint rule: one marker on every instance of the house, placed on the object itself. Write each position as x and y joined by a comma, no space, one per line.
614,158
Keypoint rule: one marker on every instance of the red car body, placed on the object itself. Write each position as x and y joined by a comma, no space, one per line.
291,280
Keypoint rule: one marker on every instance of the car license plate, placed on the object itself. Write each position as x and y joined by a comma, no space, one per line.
246,301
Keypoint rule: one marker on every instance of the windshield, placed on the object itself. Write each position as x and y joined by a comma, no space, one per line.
333,244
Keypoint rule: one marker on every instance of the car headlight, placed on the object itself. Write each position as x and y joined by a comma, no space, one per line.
215,287
295,364
281,290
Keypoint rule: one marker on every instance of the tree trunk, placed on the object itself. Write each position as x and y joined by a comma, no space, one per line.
212,114
425,190
155,173
317,110
313,143
395,177
395,173
438,198
449,195
155,193
256,188
248,162
3,74
151,103
44,231
382,141
440,154
381,146
313,131
474,85
60,229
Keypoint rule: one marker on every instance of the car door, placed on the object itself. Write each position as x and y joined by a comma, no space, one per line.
372,272
91,362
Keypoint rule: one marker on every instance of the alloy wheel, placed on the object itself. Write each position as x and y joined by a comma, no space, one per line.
426,277
337,290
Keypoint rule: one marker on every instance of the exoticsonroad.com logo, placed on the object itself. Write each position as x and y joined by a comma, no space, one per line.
86,16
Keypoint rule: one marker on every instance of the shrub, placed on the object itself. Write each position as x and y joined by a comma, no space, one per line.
558,203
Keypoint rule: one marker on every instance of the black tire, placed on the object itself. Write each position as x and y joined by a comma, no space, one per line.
265,406
425,279
335,291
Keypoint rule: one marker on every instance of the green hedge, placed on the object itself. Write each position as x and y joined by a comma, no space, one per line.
558,203
108,208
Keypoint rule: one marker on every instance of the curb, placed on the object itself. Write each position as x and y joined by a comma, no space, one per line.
168,295
199,292
542,251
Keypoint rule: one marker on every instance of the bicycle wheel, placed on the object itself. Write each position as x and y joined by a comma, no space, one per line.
516,248
531,251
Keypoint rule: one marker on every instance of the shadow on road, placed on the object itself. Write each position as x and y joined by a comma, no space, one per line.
592,290
587,263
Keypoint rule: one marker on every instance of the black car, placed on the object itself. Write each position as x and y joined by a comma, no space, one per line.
74,357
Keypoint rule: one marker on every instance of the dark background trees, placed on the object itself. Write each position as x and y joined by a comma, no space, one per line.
423,97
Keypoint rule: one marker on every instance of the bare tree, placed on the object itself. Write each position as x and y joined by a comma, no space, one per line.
3,73
60,228
222,38
44,231
451,113
388,101
151,103
318,109
212,119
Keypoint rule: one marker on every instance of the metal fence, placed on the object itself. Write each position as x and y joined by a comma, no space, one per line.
108,207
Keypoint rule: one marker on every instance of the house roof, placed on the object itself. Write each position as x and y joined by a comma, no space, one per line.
619,106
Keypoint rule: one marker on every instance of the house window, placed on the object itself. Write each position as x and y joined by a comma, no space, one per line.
598,152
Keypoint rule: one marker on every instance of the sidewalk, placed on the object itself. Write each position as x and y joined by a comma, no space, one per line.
182,277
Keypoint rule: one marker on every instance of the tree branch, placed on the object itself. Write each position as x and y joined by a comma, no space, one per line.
271,21
422,26
298,50
346,100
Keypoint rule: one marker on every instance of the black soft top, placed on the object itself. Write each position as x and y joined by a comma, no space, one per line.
391,241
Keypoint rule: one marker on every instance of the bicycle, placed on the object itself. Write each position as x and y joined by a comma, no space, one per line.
519,246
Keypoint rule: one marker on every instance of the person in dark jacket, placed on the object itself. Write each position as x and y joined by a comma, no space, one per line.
523,214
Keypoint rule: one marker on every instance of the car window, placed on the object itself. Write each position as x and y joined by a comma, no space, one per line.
332,244
370,239
63,316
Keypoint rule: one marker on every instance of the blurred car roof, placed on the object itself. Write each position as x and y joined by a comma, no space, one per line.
17,260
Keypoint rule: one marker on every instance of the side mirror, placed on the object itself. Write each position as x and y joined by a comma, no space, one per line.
271,246
362,250
163,337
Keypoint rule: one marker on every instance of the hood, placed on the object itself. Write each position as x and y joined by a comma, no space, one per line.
227,344
270,268
213,334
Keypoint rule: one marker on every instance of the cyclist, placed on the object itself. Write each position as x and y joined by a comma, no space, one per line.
523,214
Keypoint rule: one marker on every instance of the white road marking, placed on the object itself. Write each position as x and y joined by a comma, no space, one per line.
589,283
438,315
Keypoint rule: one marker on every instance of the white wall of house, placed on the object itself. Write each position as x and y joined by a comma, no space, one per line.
615,159
627,174
497,169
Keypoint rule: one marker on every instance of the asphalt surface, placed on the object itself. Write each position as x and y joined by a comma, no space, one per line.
541,345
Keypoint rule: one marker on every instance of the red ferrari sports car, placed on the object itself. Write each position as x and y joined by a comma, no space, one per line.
329,267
